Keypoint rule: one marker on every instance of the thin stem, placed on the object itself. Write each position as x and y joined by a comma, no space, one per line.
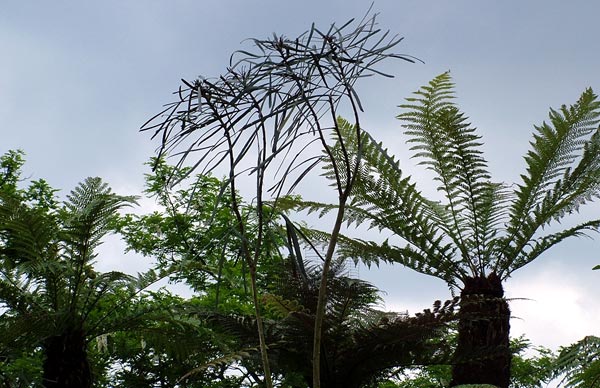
251,264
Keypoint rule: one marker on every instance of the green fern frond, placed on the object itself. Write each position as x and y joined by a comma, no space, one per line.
539,245
281,307
580,363
385,199
16,331
30,234
447,144
370,253
90,208
563,172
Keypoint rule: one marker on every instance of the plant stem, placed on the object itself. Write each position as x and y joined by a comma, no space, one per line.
322,298
261,332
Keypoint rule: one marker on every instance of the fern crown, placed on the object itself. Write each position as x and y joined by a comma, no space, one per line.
481,226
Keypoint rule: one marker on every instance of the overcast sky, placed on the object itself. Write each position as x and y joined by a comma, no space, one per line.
78,79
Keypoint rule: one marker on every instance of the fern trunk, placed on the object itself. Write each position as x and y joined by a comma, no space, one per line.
483,354
66,364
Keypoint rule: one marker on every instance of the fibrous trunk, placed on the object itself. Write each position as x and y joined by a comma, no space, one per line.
483,353
66,364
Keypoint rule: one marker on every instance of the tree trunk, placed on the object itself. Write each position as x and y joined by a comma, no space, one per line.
483,352
66,364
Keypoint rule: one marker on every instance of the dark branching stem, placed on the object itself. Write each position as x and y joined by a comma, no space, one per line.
292,85
247,255
251,261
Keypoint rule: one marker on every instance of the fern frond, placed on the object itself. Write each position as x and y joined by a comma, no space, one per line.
89,209
16,331
448,145
370,253
30,234
385,199
563,172
541,244
580,363
281,307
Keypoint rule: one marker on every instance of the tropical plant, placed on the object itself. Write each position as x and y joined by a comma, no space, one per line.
193,238
163,350
52,297
482,231
264,117
579,363
361,344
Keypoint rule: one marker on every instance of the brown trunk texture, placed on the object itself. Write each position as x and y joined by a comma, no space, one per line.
66,364
483,352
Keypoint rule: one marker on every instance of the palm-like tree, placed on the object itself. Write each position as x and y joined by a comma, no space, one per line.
482,231
53,297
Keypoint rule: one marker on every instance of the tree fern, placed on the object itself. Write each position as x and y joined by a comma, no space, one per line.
55,299
481,231
481,226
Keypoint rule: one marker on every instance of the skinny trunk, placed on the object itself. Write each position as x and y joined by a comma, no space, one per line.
322,298
483,353
261,331
66,364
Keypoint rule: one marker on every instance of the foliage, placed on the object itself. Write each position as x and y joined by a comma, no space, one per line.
481,231
466,235
533,371
272,107
194,239
579,363
21,370
162,351
361,344
55,302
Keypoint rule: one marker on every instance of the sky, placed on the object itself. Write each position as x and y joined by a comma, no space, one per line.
78,79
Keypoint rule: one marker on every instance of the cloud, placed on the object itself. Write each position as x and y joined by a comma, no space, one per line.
551,308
